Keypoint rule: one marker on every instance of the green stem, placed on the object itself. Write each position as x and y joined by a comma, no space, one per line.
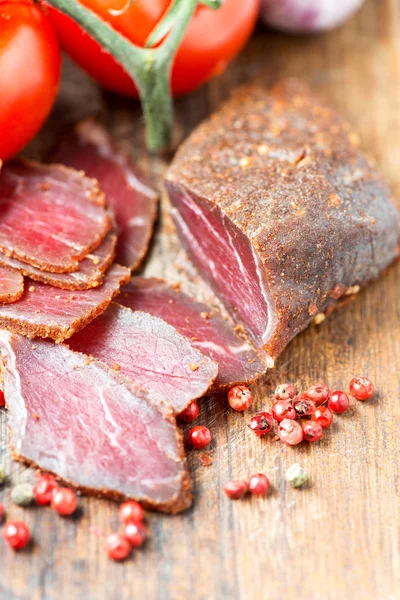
150,68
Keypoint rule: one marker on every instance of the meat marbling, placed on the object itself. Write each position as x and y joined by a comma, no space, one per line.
90,426
279,210
149,351
46,311
204,327
11,286
129,193
50,217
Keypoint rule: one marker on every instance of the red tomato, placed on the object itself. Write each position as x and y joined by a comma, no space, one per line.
29,73
211,41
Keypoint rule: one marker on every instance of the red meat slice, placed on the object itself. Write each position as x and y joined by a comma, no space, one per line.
45,311
206,329
90,273
90,426
128,192
50,217
150,352
11,286
280,211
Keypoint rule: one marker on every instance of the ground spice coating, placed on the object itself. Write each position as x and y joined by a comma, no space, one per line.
282,169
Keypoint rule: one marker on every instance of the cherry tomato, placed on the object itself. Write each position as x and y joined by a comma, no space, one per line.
212,40
29,73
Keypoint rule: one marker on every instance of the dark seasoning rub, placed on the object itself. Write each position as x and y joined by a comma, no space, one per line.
286,171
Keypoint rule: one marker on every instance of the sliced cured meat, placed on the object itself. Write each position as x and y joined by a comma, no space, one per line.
279,210
50,217
90,273
150,352
90,426
204,327
46,311
128,192
11,286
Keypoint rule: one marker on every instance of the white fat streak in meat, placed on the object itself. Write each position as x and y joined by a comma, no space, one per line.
272,318
5,338
137,222
222,349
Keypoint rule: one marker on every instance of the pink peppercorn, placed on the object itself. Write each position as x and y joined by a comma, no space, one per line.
261,423
135,533
338,402
312,431
361,388
199,437
258,484
318,393
2,399
323,415
240,397
117,546
283,409
45,486
2,512
16,534
236,489
130,512
290,432
190,413
303,406
285,391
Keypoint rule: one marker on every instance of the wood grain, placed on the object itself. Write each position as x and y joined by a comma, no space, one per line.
339,537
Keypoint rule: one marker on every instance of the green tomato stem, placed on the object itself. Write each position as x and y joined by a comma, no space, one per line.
150,68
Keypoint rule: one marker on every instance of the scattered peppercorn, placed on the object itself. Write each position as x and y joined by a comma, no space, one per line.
303,406
45,486
64,501
361,388
312,431
323,416
290,432
2,475
338,402
259,484
283,409
117,546
135,533
285,391
2,399
2,512
190,413
240,397
16,534
296,476
261,423
318,393
236,489
199,437
22,494
130,512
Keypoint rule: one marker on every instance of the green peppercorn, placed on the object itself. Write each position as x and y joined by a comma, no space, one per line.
22,494
2,474
296,475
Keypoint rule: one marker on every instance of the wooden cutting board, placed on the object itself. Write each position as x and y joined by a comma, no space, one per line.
338,537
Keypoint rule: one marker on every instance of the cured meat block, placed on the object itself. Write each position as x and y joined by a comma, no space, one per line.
204,327
11,286
150,352
128,192
90,426
50,217
90,273
45,311
279,210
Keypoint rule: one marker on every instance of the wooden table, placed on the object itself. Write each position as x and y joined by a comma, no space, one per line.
340,536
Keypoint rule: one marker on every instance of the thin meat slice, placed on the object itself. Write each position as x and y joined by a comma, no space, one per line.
90,273
129,193
204,327
91,427
11,286
45,311
150,352
51,217
279,210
